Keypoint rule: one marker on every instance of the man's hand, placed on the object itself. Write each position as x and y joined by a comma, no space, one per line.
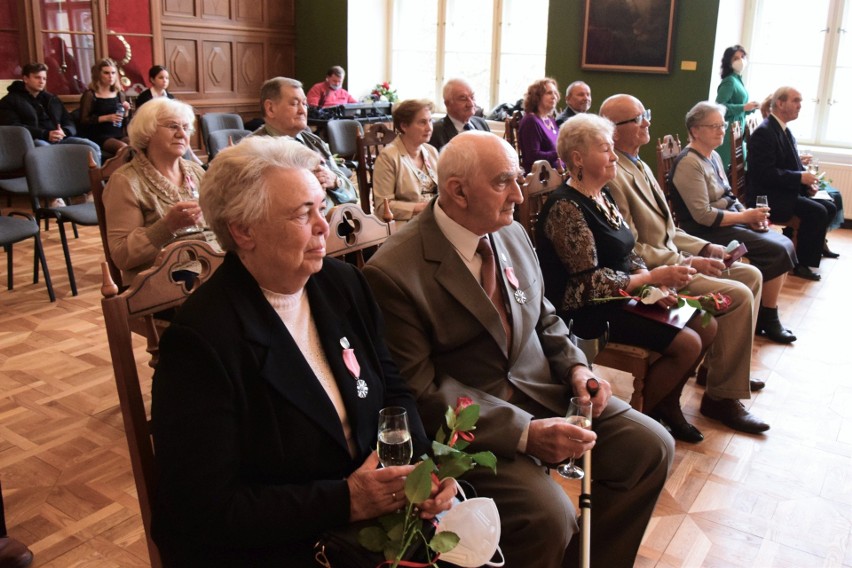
55,136
809,179
708,266
326,178
580,375
374,492
554,440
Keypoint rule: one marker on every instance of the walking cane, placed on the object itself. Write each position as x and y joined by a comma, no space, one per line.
586,496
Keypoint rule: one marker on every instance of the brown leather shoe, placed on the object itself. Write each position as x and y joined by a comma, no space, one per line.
13,554
754,385
732,414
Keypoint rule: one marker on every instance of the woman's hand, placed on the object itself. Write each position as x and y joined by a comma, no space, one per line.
375,492
440,499
182,214
756,215
418,208
669,300
115,117
672,276
749,106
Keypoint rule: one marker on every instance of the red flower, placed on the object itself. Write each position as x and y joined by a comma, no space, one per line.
386,85
463,402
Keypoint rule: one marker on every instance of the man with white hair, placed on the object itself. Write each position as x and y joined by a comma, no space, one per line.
464,305
578,99
461,106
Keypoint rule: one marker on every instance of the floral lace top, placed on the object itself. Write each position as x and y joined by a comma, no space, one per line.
582,255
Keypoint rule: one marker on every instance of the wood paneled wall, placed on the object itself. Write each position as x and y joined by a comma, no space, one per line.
220,52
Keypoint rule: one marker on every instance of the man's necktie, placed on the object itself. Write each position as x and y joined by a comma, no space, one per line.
488,277
467,126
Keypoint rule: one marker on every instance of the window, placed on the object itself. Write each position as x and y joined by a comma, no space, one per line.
494,44
806,47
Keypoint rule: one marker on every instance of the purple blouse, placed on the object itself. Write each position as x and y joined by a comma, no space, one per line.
537,140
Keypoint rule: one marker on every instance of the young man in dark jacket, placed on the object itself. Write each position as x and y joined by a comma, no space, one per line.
27,104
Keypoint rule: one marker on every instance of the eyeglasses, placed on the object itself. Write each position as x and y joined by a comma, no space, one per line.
719,126
174,127
637,119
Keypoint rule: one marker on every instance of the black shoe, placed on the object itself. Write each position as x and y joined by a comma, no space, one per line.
805,272
827,252
754,385
684,431
732,414
769,325
14,554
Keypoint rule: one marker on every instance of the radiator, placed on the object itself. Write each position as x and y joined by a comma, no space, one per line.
841,179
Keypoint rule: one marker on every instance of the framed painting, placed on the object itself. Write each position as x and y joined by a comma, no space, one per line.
633,36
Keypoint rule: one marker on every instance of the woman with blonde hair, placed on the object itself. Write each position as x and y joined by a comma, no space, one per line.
103,108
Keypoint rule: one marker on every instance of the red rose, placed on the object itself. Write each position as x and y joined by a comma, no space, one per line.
463,402
386,85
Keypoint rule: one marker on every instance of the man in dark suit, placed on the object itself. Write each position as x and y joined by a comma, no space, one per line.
507,350
266,396
775,170
461,106
578,98
285,112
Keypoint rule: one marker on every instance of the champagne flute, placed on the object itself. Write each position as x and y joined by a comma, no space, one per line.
579,414
394,447
762,201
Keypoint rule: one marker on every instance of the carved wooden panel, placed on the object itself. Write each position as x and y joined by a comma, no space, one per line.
249,67
280,13
179,7
281,60
249,11
182,61
217,67
216,8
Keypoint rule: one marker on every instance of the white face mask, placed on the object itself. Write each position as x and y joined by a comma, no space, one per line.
739,65
477,522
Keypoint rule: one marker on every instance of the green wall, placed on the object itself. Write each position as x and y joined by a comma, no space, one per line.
669,96
321,38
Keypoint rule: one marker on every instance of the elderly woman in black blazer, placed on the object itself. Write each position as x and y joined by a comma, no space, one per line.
263,432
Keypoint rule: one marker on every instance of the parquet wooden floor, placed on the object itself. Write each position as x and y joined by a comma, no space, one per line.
784,499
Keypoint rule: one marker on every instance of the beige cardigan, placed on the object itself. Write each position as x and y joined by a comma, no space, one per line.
135,199
396,178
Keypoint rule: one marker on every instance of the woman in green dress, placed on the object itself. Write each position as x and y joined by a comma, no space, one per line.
733,95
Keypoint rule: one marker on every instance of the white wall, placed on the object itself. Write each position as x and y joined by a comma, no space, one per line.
729,31
367,46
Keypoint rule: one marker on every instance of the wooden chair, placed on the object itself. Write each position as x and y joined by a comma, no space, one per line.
98,178
351,231
538,185
511,132
668,149
736,175
370,142
153,290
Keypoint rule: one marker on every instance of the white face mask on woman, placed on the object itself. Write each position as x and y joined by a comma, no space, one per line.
738,66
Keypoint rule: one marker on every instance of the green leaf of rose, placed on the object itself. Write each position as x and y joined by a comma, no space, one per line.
444,541
455,466
466,420
486,459
372,538
391,520
418,485
450,417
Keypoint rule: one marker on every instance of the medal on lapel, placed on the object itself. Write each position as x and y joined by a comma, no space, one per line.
519,294
351,363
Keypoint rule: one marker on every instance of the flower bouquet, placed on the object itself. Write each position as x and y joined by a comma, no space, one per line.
383,92
399,531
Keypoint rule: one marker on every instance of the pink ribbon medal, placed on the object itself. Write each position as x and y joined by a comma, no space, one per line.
520,297
354,367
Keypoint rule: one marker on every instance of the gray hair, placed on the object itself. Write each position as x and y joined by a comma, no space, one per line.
781,94
579,133
235,188
271,90
449,85
149,115
700,112
575,84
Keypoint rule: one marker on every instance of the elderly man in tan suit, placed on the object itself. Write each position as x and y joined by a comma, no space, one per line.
643,205
510,353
